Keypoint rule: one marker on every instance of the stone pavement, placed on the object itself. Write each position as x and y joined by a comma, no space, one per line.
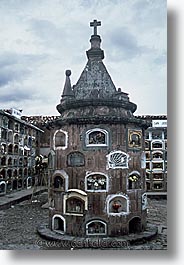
10,199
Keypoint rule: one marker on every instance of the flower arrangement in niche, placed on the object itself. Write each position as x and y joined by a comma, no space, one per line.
133,178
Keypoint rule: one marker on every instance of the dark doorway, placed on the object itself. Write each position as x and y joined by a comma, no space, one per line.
58,224
135,225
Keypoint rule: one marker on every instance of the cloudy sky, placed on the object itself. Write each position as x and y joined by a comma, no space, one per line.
39,40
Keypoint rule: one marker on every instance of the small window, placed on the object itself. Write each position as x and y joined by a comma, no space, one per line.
3,161
60,139
3,173
157,135
158,186
157,176
9,173
16,149
157,145
157,155
3,149
97,137
157,165
96,182
4,134
96,227
5,122
10,137
117,159
10,149
148,165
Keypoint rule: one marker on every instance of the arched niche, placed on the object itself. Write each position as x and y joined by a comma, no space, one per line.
2,187
60,180
97,137
117,204
60,140
58,224
75,202
96,227
134,180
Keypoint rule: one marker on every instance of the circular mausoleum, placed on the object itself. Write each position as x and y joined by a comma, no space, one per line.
97,161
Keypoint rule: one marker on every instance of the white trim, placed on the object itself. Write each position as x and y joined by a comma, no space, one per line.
66,140
78,191
28,187
97,173
113,166
111,197
64,223
94,130
3,182
95,234
144,201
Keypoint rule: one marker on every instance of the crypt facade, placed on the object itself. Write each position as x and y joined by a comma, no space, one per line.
97,159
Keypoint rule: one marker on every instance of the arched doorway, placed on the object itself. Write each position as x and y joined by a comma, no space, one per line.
135,225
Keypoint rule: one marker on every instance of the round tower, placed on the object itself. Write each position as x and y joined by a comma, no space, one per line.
97,161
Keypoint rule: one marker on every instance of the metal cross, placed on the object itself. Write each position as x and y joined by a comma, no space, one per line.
95,24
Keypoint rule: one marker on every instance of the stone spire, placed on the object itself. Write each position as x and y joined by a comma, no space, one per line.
67,91
94,87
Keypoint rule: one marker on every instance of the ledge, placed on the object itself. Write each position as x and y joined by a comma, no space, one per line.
103,242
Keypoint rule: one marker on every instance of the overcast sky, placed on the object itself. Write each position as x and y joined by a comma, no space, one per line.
39,40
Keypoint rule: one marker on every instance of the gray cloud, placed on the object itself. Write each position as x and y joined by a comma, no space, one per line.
16,67
124,45
15,95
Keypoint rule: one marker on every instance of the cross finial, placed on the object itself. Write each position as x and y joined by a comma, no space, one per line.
95,24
